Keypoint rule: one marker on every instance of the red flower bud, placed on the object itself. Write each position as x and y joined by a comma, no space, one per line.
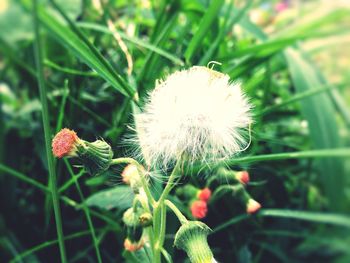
64,143
199,209
243,177
131,247
204,194
253,206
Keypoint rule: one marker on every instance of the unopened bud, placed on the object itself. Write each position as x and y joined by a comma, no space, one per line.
132,177
199,209
204,194
145,219
253,206
132,246
243,177
95,156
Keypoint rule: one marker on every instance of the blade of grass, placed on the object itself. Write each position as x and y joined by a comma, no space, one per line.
151,64
209,17
62,106
316,217
231,19
75,41
53,65
295,98
47,133
324,153
24,178
319,111
230,222
66,200
86,211
314,154
125,87
46,244
71,181
90,112
133,40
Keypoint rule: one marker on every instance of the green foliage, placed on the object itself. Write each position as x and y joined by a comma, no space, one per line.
119,197
298,160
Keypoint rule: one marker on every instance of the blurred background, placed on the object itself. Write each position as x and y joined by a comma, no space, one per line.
293,60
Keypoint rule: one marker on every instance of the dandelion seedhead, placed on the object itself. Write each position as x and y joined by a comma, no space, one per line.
197,112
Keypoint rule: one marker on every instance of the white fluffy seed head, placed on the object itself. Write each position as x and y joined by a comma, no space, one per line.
198,112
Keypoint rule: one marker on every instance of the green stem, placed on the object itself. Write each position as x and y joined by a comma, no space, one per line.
159,213
140,171
171,182
86,211
177,212
47,133
65,199
21,256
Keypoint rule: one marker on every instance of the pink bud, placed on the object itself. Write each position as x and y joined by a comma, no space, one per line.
253,206
130,246
204,194
63,144
243,177
199,209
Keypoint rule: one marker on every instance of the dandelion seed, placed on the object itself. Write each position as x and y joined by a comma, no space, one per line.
198,112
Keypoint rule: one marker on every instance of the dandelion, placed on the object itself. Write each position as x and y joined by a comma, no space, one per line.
199,209
197,112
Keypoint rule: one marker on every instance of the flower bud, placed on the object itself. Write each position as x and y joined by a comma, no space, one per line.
253,206
187,192
134,228
204,194
199,209
131,218
132,246
243,177
192,238
145,219
132,177
65,143
96,156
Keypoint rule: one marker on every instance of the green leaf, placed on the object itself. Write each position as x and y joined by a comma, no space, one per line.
320,114
76,42
204,26
135,41
315,217
120,197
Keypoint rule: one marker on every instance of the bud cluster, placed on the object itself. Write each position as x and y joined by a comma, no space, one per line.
196,198
237,180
